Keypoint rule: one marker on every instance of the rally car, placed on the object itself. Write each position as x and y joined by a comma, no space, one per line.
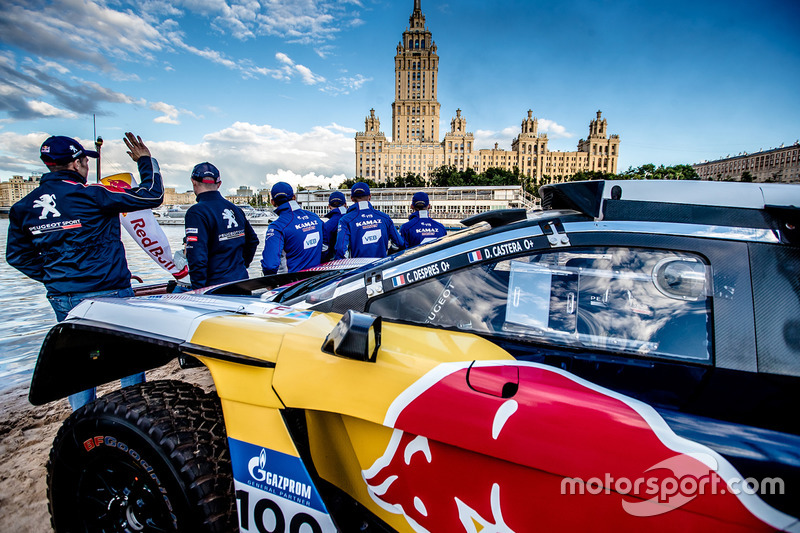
627,359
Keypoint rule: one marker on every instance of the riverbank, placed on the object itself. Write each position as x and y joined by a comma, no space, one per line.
26,433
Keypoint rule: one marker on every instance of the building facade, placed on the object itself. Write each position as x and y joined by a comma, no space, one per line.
415,146
15,189
171,197
780,165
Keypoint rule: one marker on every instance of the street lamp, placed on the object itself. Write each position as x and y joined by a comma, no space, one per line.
97,144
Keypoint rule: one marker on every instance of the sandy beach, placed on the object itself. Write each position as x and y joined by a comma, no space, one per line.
26,433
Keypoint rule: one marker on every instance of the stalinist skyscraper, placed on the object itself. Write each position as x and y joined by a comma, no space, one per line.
416,146
415,111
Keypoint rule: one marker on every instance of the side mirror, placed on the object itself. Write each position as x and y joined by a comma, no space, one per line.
356,336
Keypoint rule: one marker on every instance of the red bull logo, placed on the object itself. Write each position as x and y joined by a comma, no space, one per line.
118,182
487,447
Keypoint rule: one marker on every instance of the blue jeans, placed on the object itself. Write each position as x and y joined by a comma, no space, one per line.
62,304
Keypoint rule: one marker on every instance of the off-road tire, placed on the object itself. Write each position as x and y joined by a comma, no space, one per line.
151,457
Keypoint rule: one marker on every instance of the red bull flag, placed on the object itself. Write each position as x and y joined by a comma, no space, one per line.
143,227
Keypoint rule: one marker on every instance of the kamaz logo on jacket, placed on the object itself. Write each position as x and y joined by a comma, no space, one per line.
310,224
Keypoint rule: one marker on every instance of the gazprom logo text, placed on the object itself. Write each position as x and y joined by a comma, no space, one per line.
257,467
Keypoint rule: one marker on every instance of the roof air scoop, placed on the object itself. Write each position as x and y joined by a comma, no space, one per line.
583,196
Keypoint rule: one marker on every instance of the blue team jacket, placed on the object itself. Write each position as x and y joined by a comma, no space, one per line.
220,242
329,232
296,232
421,228
365,232
66,234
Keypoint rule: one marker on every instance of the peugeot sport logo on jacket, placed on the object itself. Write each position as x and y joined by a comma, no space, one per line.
47,203
228,215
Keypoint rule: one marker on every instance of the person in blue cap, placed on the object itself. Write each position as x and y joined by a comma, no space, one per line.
220,242
421,228
296,233
338,205
66,234
364,231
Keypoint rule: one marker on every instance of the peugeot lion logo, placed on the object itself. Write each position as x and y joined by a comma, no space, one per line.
47,203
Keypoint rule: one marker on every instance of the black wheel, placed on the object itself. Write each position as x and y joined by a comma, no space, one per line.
152,457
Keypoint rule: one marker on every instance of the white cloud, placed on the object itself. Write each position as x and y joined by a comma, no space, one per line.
291,68
295,180
53,35
170,113
345,85
308,77
298,21
19,153
52,65
283,58
47,110
211,55
486,139
246,154
58,31
504,137
344,129
553,129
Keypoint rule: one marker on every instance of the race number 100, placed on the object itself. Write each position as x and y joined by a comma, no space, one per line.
268,517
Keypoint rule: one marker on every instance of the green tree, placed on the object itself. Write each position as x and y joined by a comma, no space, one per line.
651,172
413,180
592,175
446,176
495,176
349,182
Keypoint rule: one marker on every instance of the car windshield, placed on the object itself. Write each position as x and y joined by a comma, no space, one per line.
322,287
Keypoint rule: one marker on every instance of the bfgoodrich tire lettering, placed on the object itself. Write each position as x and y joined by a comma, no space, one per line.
152,457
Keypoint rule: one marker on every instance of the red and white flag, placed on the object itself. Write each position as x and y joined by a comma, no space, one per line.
143,227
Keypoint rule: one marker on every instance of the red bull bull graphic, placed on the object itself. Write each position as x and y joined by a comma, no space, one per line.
480,448
275,492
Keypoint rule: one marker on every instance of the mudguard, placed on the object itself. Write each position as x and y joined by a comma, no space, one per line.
77,355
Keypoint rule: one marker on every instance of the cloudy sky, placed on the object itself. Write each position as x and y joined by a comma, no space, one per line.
273,90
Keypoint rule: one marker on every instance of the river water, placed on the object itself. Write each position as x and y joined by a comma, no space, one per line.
26,315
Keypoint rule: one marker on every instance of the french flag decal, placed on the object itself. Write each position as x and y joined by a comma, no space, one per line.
474,256
399,280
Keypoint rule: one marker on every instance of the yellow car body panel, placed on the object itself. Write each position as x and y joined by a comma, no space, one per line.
340,446
308,378
346,433
257,425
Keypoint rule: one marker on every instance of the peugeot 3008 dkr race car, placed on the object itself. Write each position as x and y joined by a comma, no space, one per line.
627,359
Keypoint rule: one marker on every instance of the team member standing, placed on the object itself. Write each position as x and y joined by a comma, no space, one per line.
420,227
297,233
336,201
66,234
364,231
220,242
